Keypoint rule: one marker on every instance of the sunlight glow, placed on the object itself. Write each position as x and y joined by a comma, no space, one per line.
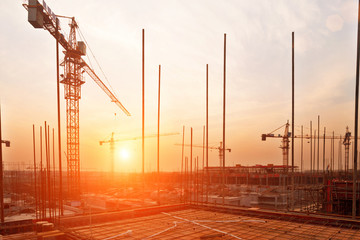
124,155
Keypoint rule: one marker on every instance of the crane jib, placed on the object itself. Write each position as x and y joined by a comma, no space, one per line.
41,16
98,81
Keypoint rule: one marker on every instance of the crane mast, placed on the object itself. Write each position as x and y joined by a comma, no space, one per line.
73,79
346,143
285,146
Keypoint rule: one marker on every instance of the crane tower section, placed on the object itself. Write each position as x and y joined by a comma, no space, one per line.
73,79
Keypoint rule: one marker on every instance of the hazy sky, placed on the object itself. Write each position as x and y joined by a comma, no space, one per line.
184,36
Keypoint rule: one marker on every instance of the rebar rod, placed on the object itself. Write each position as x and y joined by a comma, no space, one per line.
292,121
190,174
356,117
158,140
143,113
207,132
182,164
224,144
35,185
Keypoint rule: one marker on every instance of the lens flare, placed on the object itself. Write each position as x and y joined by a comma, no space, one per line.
124,154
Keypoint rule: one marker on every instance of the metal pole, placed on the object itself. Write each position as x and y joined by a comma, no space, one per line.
158,139
340,155
34,149
333,153
356,117
302,148
324,151
292,122
318,144
59,125
195,183
182,164
203,157
224,105
143,111
292,106
54,185
41,177
352,155
207,132
314,151
49,170
186,180
191,145
197,179
311,170
47,175
1,177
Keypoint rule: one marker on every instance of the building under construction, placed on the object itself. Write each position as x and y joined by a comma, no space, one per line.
48,201
187,205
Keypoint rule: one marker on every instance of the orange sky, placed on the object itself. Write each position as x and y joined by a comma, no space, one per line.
184,36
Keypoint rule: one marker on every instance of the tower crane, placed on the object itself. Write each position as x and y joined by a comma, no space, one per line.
41,16
220,149
346,143
112,142
285,142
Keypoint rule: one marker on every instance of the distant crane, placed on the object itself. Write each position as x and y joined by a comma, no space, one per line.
346,143
6,142
112,141
41,16
220,149
285,142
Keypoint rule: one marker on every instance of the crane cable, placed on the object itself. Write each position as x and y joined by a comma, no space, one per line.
82,36
278,128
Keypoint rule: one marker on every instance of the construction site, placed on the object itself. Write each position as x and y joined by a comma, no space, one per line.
182,186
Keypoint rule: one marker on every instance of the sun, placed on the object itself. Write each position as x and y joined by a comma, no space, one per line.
124,155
